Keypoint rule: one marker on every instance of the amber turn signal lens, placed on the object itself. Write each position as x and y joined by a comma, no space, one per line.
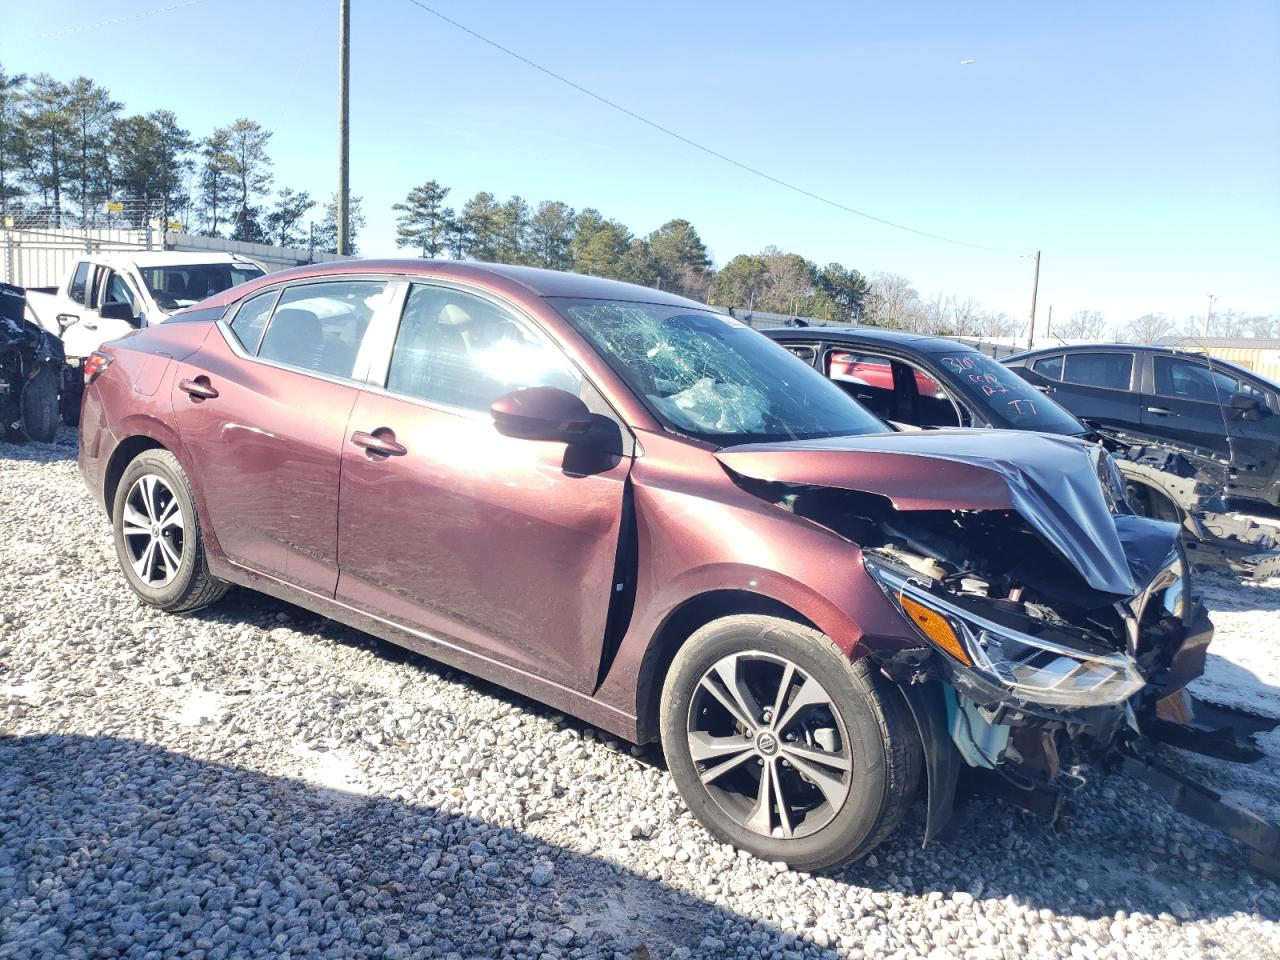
935,626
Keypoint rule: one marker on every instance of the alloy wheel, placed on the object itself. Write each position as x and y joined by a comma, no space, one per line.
153,528
769,745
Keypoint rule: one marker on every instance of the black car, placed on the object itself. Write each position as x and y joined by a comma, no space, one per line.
1211,411
918,382
910,380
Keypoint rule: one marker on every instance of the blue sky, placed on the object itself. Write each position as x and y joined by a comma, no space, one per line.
1136,144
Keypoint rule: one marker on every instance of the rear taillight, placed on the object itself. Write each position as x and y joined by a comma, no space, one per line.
94,364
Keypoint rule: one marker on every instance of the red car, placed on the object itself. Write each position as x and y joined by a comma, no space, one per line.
643,513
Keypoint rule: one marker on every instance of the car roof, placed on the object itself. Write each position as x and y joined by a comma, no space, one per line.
542,283
1091,348
1152,348
919,342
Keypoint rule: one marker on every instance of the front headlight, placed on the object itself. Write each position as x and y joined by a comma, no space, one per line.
1033,669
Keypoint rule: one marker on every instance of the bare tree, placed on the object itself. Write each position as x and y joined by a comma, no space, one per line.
1149,328
1260,325
892,301
931,316
992,324
964,316
1082,325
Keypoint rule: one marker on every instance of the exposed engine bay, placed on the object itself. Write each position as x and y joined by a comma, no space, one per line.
1051,629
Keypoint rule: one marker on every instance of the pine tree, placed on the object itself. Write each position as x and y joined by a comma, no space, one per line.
424,220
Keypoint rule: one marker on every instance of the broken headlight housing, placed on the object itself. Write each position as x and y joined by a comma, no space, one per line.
1032,669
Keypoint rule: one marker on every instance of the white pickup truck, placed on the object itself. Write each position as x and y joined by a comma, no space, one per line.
105,296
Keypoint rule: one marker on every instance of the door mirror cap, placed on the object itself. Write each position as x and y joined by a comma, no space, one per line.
1244,401
117,311
1247,405
541,413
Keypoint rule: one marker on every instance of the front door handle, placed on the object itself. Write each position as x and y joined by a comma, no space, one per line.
1160,411
1043,389
199,389
382,442
90,325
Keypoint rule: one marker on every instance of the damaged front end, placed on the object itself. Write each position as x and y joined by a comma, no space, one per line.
1050,629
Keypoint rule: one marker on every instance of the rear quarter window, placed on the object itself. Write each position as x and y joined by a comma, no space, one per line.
251,319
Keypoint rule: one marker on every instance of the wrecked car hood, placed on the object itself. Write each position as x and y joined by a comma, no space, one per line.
1052,482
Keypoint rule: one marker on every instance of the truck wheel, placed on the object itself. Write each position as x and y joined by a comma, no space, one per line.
784,748
40,406
70,404
157,535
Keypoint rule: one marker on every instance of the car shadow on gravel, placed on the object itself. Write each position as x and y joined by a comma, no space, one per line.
1123,850
241,606
63,448
112,846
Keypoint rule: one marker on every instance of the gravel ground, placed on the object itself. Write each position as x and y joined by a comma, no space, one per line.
254,781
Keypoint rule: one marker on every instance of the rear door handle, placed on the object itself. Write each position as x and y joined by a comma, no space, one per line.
382,441
199,388
1043,389
90,325
1160,411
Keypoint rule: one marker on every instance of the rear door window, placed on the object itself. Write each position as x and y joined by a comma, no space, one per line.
1050,367
1111,370
318,327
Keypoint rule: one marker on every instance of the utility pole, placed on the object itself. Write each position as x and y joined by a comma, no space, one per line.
1208,317
1048,323
1035,290
344,129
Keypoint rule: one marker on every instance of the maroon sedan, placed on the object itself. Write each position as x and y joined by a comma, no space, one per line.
643,513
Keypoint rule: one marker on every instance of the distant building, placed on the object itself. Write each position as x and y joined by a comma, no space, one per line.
1259,354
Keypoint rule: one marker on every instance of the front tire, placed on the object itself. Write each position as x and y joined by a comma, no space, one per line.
157,535
784,748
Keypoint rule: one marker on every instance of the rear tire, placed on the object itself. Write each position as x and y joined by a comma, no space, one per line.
832,750
39,407
157,535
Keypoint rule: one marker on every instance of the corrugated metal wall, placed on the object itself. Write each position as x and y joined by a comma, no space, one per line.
1262,361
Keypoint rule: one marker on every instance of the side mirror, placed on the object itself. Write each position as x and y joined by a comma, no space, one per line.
541,413
1247,405
118,310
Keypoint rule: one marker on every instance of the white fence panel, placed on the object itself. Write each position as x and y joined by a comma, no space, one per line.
41,257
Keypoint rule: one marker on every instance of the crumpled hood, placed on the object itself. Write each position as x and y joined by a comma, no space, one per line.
1051,481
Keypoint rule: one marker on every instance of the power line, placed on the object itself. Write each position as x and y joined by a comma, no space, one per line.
102,23
702,147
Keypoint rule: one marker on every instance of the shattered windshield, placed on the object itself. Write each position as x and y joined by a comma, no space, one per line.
180,286
1008,399
713,378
